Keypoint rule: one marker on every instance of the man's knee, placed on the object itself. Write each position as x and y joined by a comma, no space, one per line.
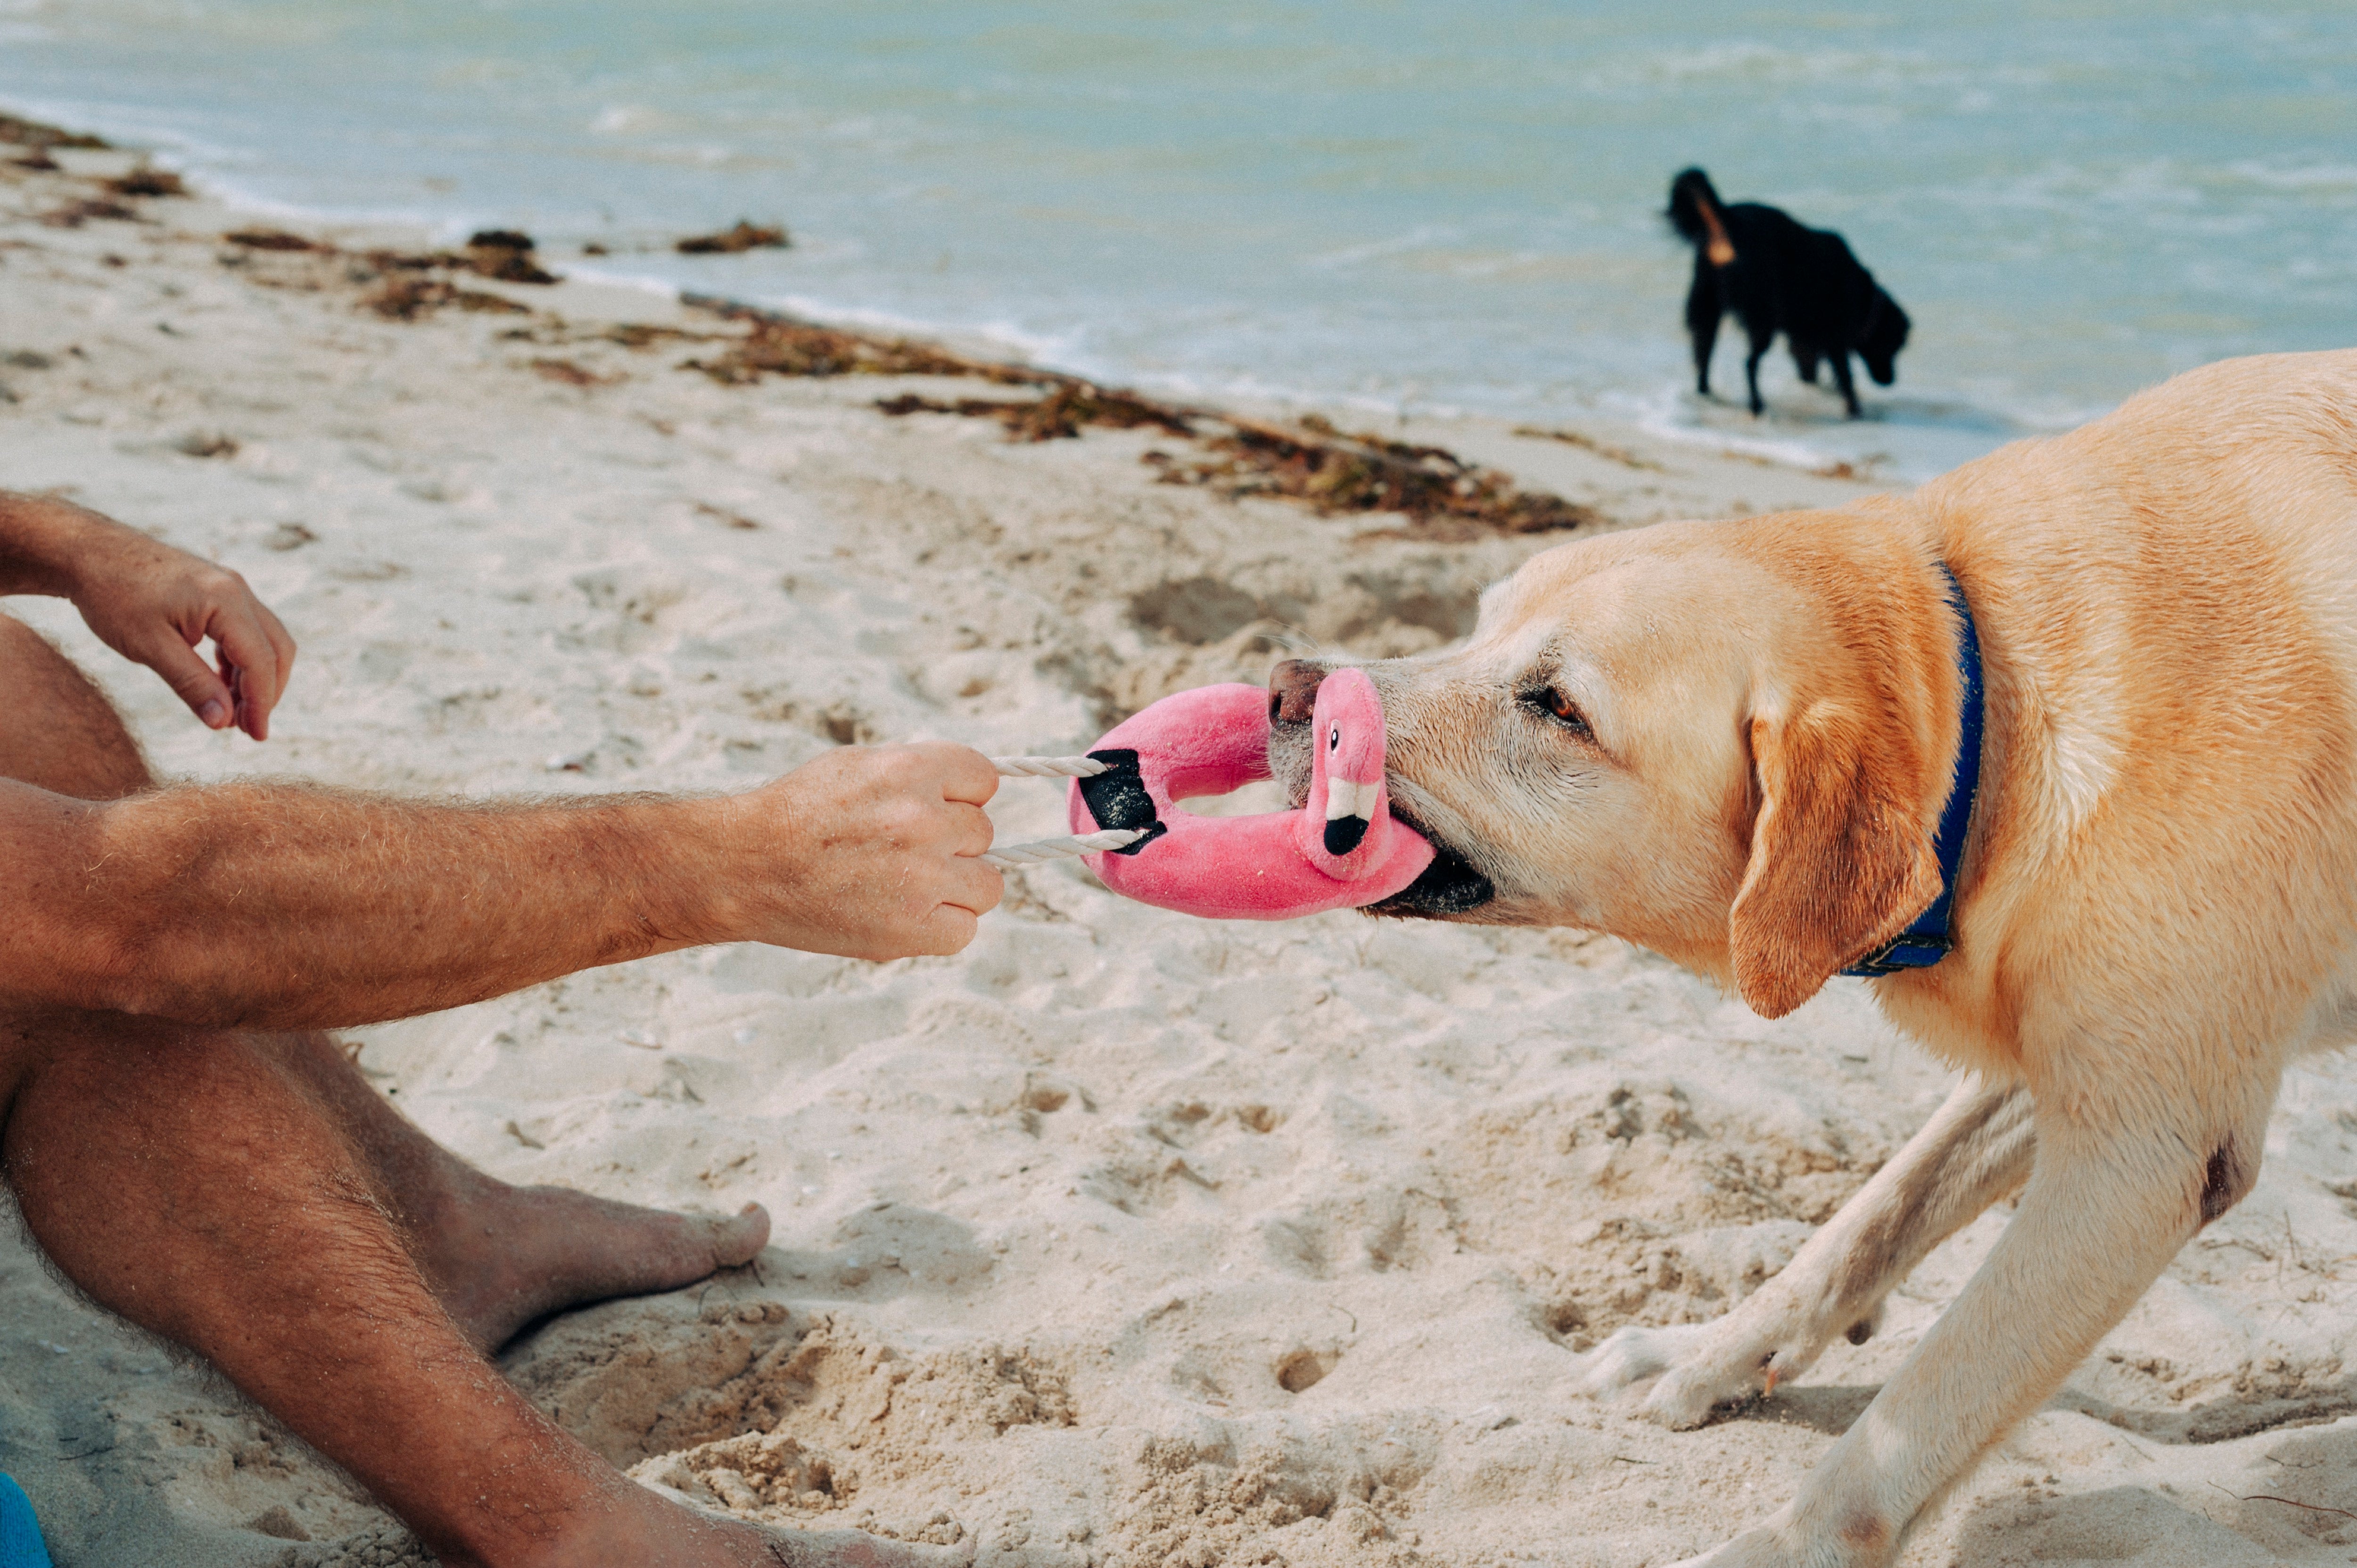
58,731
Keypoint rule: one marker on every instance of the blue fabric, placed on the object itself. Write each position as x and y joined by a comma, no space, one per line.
1926,942
20,1538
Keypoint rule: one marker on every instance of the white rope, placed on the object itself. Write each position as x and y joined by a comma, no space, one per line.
1047,767
1006,857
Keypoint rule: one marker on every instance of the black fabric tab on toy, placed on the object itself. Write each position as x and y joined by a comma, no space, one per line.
1344,835
1117,799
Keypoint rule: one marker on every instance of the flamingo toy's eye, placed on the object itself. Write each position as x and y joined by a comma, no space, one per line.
1334,738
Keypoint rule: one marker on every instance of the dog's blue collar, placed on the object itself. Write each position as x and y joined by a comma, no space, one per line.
1927,940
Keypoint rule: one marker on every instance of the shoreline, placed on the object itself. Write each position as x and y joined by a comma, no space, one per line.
1121,1239
1908,437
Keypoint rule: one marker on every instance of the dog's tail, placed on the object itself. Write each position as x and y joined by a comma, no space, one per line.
1694,212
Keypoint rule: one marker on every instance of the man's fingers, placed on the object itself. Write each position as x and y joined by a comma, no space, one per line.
194,681
966,774
281,639
947,930
973,885
245,643
972,832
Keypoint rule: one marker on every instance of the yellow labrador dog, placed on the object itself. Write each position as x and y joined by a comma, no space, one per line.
1736,743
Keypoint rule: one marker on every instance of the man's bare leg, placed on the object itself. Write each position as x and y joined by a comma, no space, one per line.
58,731
192,1182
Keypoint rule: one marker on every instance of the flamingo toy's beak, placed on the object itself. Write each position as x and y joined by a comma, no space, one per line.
1348,804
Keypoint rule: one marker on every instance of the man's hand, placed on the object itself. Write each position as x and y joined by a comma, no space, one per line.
154,604
875,852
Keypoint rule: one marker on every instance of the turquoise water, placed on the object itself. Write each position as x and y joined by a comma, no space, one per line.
1429,207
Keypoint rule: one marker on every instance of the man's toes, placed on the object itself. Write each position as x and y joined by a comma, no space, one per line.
851,1548
736,1239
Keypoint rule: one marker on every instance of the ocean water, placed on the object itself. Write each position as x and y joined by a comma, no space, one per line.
1428,208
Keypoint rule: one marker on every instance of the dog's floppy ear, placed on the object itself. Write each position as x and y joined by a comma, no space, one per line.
1840,860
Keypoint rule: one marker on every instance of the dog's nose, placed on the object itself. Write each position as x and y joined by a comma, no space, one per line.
1293,691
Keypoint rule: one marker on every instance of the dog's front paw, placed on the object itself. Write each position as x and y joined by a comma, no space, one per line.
1777,1543
1687,1396
1629,1356
1752,1548
1696,1369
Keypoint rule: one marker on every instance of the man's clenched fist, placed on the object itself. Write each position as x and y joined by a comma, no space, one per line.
870,851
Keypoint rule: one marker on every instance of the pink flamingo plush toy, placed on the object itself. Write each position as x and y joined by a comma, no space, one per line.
1342,850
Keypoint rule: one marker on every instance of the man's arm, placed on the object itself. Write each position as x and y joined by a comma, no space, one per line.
283,907
152,605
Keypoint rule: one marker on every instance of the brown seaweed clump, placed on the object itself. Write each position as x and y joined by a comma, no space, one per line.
570,373
145,181
81,210
746,236
506,255
502,254
1586,442
1056,416
407,284
33,134
780,345
1442,494
400,298
273,240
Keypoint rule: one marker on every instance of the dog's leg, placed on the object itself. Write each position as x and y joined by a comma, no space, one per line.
2122,1180
1751,367
1805,363
1840,356
1976,1148
1702,311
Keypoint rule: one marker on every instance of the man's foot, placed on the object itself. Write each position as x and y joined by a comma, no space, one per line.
500,1257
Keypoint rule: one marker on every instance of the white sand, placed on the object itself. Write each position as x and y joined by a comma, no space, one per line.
1121,1239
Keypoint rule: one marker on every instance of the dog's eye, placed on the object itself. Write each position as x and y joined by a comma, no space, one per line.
1561,709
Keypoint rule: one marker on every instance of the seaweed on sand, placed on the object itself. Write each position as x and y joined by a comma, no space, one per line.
408,287
746,236
1442,496
407,298
145,181
498,253
1056,416
1586,442
273,240
34,133
506,255
781,345
81,210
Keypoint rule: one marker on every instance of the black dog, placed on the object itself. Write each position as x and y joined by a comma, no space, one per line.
1780,276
